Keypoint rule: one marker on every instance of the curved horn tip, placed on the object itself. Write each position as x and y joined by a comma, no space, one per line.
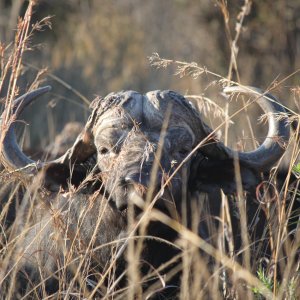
39,91
49,87
241,89
45,89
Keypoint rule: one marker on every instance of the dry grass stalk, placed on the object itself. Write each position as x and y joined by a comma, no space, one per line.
198,281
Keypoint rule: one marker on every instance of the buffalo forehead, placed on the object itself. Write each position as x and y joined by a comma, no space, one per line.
133,103
149,110
116,104
158,103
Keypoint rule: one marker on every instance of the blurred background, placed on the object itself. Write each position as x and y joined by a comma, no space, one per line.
100,46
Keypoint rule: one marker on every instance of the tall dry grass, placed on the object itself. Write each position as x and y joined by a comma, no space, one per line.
267,268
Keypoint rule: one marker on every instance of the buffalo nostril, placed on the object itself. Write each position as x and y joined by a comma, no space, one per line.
121,204
137,182
128,180
133,178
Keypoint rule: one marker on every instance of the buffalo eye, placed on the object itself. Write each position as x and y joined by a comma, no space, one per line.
103,150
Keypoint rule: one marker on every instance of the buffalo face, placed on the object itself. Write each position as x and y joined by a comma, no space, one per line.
140,142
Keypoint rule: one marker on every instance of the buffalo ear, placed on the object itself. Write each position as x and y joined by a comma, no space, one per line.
74,166
210,174
84,146
58,176
82,149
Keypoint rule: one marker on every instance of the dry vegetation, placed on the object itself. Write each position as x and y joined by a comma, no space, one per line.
264,269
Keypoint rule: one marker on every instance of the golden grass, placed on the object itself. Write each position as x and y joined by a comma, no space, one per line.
250,273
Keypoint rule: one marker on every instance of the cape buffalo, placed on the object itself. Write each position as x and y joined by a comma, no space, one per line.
137,152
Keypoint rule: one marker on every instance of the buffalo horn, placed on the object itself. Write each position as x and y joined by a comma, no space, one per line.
273,147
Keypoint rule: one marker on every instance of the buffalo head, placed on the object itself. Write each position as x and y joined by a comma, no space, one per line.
155,142
133,147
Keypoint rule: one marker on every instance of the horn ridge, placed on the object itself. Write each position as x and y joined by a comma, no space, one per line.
273,147
12,156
